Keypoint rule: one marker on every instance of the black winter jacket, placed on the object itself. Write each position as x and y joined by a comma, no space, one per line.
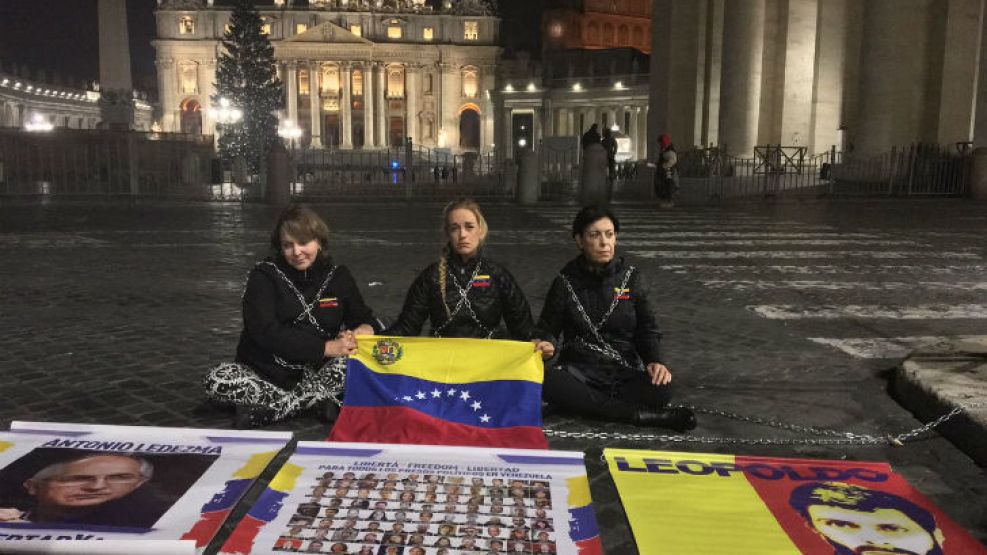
631,329
493,296
279,338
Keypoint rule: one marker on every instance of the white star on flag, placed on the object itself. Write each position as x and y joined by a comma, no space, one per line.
436,393
465,396
485,418
451,392
407,398
476,405
420,395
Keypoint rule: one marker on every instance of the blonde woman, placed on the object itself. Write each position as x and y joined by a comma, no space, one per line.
464,293
301,316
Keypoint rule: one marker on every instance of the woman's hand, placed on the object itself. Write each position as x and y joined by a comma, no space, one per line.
11,515
343,345
546,348
364,329
660,375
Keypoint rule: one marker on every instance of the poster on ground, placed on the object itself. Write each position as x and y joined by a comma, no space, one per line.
379,499
74,483
690,503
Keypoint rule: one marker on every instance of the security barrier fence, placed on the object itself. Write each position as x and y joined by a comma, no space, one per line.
77,163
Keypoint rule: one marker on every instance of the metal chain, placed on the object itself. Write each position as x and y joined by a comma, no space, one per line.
833,438
464,302
306,306
601,346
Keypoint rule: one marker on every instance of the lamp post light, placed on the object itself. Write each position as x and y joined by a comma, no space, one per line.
37,124
290,131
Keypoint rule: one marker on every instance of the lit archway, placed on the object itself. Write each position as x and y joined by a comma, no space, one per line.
469,127
191,117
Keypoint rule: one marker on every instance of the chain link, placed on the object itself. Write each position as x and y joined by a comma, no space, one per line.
831,437
463,302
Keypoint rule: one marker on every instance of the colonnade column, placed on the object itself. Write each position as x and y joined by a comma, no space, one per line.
740,86
382,131
169,98
206,75
291,79
368,106
412,73
549,114
315,108
507,141
346,107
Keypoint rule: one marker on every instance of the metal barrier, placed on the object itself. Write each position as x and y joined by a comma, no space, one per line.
560,172
402,172
76,163
776,170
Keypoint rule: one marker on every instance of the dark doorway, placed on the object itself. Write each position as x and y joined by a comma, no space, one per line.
191,121
330,132
469,129
396,131
358,138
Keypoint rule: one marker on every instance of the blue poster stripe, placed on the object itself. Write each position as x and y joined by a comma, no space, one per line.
495,404
339,452
582,523
268,505
527,459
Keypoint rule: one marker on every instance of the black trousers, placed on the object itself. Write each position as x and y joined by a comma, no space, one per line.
620,403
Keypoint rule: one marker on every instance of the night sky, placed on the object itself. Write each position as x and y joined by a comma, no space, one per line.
61,36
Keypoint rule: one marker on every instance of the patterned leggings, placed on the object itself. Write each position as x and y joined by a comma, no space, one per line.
239,384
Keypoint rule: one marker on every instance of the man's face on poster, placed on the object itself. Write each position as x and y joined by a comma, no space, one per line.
881,532
87,482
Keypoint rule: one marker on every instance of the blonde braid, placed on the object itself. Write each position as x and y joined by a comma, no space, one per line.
443,270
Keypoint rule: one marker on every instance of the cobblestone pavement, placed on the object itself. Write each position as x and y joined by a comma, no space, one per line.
792,311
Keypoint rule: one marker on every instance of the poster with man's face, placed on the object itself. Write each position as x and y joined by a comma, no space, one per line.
90,482
422,500
774,505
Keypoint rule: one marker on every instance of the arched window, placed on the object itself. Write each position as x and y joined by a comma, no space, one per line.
607,34
186,25
356,82
395,82
593,33
623,36
471,81
330,80
188,77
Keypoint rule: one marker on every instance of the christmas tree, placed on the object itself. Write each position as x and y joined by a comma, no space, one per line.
246,79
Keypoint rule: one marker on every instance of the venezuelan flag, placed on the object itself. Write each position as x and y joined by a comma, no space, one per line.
263,511
481,281
420,390
621,294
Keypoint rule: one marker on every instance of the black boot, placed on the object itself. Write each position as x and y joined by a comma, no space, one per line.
328,411
679,419
252,416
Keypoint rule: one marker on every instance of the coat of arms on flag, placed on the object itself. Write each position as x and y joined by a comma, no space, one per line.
443,391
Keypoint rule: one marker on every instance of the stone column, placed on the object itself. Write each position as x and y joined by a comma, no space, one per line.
799,73
956,102
291,80
346,107
570,122
451,95
412,95
712,71
549,112
206,77
383,134
507,141
632,132
827,112
368,106
892,75
980,109
315,105
114,65
740,86
488,82
167,80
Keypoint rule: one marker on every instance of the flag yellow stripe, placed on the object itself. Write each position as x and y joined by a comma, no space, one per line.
455,360
578,491
679,513
255,465
285,479
4,445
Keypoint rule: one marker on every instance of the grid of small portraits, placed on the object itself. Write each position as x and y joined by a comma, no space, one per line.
421,514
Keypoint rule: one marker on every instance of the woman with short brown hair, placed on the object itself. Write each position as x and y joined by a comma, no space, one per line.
301,316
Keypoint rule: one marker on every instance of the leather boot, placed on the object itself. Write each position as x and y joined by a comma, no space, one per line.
679,419
252,416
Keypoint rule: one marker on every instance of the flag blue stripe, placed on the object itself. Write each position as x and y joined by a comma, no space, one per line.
495,404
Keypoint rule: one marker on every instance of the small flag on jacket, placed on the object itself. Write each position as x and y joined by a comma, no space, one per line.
443,391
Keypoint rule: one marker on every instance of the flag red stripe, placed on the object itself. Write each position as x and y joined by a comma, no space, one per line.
408,426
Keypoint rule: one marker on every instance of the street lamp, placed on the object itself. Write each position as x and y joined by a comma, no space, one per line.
224,114
38,123
288,130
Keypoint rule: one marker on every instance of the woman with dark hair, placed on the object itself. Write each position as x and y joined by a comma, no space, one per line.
301,316
609,365
465,294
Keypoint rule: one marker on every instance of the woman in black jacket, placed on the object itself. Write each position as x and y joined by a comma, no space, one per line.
301,316
465,294
609,364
